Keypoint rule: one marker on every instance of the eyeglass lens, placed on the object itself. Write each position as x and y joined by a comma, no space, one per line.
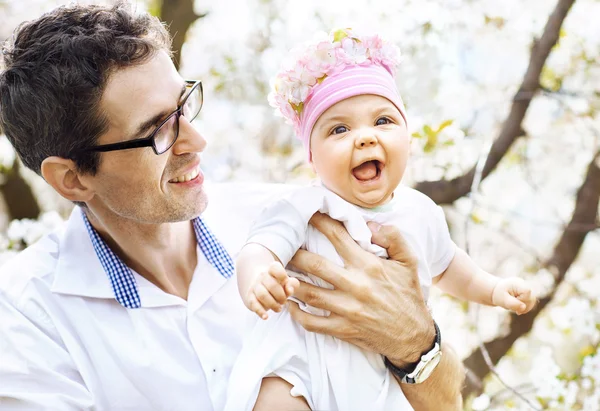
167,134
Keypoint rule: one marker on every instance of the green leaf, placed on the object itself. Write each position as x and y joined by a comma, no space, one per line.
550,80
155,8
432,139
215,73
444,125
586,351
339,35
429,146
476,219
499,22
428,131
562,33
298,107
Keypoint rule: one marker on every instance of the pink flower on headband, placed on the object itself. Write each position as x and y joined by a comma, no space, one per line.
316,60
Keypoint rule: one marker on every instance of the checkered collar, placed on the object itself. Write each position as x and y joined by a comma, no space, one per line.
121,277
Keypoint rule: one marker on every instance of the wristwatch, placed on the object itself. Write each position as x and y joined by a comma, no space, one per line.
419,372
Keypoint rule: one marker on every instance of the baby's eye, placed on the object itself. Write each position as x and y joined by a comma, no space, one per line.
339,130
382,120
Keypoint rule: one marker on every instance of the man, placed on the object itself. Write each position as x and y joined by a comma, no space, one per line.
132,305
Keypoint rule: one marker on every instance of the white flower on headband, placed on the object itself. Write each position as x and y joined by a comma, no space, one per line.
325,56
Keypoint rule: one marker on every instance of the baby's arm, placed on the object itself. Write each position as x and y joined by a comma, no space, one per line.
275,394
262,280
465,280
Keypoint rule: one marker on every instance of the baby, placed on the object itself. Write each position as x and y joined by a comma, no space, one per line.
341,96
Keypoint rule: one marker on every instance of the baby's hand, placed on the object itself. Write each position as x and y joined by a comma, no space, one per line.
514,294
270,290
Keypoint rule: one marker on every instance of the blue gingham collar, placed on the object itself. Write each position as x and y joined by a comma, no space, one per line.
121,277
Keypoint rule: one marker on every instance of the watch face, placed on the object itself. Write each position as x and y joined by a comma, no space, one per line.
428,368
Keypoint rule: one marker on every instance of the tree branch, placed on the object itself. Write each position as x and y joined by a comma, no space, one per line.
564,254
448,191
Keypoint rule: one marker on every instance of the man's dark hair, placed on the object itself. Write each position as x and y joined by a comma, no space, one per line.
55,71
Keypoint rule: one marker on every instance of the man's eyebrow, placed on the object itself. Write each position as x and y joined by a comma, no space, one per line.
146,125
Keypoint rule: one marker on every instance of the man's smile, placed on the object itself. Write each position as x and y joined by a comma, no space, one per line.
188,176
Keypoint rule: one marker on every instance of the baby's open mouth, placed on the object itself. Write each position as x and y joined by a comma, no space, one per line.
369,170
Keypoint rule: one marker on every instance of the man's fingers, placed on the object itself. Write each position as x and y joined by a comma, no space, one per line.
315,323
323,298
337,234
321,267
389,237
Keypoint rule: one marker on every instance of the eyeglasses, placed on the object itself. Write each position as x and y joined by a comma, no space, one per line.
165,135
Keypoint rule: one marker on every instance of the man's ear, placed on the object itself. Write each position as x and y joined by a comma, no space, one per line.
63,176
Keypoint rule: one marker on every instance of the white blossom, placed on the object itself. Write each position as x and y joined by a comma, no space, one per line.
481,403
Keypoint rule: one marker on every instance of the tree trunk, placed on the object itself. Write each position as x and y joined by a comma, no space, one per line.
179,15
20,201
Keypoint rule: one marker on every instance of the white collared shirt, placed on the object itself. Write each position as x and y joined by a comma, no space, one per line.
67,343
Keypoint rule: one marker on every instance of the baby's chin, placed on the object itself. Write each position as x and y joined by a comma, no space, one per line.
372,199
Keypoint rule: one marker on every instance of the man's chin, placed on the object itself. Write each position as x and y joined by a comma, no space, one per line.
191,209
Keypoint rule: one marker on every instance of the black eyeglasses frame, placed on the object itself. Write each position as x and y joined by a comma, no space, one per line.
150,140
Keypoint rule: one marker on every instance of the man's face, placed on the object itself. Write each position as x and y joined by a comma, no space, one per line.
137,184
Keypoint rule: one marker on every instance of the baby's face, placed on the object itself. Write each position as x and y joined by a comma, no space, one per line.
359,149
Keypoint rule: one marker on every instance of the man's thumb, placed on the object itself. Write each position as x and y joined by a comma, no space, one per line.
389,237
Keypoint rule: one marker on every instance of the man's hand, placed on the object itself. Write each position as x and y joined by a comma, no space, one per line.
377,304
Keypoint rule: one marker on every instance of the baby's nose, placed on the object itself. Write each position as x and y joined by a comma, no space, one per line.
366,140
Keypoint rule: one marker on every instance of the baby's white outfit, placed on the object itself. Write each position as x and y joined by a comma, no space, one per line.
329,373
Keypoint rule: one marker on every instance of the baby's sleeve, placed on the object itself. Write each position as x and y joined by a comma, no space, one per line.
281,227
441,247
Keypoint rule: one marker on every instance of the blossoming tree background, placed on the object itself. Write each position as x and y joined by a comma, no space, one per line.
503,101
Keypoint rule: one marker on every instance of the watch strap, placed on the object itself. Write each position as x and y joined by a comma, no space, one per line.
403,372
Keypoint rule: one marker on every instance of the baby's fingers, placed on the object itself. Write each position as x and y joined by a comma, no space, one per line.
529,299
277,271
511,303
291,285
275,289
266,299
254,305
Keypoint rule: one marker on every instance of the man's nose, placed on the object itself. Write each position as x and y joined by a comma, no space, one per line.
365,140
189,139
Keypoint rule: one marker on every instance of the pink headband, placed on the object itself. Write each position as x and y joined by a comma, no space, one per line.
351,81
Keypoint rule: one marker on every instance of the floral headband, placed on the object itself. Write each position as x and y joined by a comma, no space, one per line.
326,57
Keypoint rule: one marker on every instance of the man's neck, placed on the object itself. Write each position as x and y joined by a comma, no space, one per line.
164,254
